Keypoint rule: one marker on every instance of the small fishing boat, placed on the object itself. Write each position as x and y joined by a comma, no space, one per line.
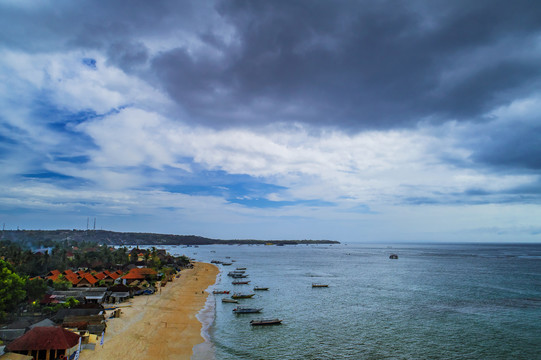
393,256
246,310
239,276
220,292
240,282
242,296
266,322
240,268
226,263
257,288
319,285
228,300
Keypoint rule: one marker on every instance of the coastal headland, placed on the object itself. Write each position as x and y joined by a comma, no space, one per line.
163,326
131,238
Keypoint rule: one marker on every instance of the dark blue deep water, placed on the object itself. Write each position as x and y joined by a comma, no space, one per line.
436,301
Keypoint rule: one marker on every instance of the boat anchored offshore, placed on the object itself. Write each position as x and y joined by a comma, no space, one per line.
266,322
319,285
240,282
242,296
220,292
246,310
257,288
228,300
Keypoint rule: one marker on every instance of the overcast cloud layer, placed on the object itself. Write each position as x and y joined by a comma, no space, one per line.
345,120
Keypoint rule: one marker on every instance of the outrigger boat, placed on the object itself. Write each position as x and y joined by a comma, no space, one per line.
242,296
266,322
246,310
319,285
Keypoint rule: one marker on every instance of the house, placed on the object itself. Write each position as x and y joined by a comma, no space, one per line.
53,275
95,296
42,323
131,277
45,343
120,293
139,274
87,280
49,299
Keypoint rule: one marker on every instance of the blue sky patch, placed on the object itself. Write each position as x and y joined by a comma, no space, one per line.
266,203
48,175
91,63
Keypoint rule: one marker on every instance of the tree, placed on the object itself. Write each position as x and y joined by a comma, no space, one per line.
35,289
11,288
71,302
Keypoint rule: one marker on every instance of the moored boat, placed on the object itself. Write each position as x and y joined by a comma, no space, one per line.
246,310
228,300
241,268
242,296
240,282
319,285
220,292
257,288
266,322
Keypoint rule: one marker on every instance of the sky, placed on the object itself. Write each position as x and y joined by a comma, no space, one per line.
373,121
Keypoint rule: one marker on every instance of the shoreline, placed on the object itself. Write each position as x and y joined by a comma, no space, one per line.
160,326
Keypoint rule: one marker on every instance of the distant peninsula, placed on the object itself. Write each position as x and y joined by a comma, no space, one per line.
35,238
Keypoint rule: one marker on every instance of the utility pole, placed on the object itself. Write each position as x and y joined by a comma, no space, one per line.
94,224
87,219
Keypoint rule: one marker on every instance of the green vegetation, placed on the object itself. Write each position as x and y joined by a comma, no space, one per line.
12,290
47,238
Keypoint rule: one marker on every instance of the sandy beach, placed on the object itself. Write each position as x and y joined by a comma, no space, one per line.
160,326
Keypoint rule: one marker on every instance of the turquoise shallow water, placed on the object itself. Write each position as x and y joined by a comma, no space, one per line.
435,302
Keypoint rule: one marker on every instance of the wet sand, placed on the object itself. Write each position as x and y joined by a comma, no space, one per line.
160,326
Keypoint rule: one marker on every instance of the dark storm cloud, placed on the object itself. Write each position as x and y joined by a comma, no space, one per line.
350,64
359,64
511,147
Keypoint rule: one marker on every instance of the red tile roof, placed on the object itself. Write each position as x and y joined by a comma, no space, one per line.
69,272
53,277
133,276
91,279
74,279
144,271
100,276
45,338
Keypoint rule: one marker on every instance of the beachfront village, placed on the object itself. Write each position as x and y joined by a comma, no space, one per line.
57,299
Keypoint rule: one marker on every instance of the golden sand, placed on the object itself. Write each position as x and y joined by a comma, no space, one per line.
160,326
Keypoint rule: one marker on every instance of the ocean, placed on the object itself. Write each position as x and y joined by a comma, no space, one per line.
436,301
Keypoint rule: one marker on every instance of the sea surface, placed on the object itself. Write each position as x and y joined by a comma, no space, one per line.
436,301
